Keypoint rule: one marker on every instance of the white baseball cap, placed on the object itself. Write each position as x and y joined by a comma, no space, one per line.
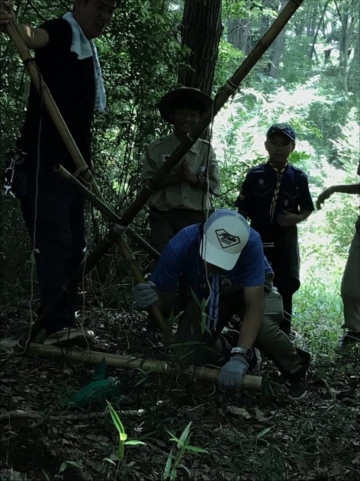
224,237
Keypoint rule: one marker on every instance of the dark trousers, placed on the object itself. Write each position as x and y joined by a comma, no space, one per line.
54,216
164,225
285,261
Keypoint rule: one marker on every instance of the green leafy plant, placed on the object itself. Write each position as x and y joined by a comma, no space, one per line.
175,456
123,437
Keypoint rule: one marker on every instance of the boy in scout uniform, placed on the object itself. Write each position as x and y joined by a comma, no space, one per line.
275,196
184,196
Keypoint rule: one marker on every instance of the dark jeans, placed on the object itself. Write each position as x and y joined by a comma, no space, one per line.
285,261
54,216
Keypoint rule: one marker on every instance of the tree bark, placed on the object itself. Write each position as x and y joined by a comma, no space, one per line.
201,33
321,19
239,34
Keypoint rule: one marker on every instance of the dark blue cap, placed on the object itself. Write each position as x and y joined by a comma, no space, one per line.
282,129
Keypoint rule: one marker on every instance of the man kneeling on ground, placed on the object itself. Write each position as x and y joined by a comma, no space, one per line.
227,274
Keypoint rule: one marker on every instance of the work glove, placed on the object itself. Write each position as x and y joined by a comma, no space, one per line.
145,294
232,374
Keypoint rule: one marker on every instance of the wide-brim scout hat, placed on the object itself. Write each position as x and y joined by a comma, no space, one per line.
225,234
166,105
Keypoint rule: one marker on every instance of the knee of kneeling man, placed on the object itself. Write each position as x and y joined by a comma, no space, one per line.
273,307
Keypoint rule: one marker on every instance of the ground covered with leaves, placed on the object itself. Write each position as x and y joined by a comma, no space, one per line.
248,436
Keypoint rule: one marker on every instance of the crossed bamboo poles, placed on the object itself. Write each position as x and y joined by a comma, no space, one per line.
115,235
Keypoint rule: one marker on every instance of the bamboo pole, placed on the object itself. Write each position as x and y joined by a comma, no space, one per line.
105,209
59,122
81,165
126,252
139,278
223,95
221,98
205,374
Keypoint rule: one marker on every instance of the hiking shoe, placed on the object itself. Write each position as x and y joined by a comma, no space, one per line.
70,336
349,339
296,386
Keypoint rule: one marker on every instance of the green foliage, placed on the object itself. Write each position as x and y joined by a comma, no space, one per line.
123,437
175,456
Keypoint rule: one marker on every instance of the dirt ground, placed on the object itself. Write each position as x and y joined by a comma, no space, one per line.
249,436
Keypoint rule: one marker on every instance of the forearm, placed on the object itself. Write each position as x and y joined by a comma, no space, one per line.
251,325
303,216
346,189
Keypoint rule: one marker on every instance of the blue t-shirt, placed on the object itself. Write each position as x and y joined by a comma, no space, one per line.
182,257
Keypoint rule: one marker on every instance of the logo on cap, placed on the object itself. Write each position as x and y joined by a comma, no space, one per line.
227,240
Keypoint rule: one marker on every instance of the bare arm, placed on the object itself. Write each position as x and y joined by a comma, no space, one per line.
34,38
253,318
344,189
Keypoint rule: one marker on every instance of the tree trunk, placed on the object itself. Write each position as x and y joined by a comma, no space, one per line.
347,19
279,45
239,34
201,33
316,33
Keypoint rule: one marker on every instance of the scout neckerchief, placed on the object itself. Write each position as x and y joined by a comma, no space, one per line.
279,177
213,306
85,48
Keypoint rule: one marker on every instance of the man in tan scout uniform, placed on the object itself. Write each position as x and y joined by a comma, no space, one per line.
184,196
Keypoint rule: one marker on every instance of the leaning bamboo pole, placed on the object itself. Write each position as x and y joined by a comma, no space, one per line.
222,96
65,134
200,373
82,167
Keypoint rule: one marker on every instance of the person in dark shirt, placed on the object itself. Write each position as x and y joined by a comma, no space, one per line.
275,196
53,210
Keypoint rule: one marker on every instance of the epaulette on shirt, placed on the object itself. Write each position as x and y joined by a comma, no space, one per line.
299,171
258,169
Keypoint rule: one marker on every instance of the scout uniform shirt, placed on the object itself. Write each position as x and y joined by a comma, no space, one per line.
182,195
264,195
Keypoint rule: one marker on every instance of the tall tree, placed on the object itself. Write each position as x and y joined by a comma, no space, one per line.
201,33
278,49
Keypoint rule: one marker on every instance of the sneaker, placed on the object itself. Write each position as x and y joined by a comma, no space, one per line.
296,387
349,338
70,337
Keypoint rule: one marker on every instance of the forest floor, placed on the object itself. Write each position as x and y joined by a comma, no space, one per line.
249,436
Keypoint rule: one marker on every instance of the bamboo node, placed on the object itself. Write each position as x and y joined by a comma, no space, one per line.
231,86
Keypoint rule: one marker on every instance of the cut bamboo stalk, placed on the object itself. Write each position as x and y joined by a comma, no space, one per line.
105,209
223,95
204,374
126,252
